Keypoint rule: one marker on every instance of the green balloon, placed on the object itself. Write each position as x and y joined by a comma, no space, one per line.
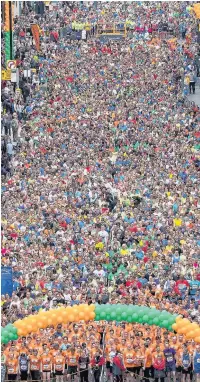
98,308
97,317
169,327
5,340
145,318
162,318
141,312
134,317
10,336
5,333
156,321
129,319
118,318
152,314
113,315
124,316
171,320
164,324
108,318
102,315
13,329
9,326
119,310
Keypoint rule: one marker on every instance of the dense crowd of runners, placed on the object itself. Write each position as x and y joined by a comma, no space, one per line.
100,190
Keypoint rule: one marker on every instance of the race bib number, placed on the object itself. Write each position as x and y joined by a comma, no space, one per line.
72,360
46,367
33,367
83,365
129,360
169,359
10,371
198,360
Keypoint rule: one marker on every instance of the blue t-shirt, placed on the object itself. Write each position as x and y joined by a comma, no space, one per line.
194,285
170,356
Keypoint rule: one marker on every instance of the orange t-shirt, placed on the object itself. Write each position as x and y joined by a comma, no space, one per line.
138,359
23,350
154,346
9,351
46,362
53,354
191,349
178,356
148,358
59,362
72,359
155,355
12,365
129,357
35,362
175,346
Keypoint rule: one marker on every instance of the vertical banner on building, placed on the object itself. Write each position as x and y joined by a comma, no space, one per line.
36,35
6,280
7,31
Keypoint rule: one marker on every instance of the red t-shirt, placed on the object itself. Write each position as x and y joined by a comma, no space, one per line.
134,283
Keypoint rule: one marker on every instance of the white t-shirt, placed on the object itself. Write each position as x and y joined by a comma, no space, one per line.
100,273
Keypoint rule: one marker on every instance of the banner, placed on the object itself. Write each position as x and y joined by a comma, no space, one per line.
6,280
36,35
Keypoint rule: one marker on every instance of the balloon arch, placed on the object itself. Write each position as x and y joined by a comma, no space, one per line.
108,312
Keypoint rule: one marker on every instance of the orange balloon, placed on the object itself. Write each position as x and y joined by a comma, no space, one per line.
49,322
197,332
65,315
85,309
43,319
87,316
190,335
174,327
34,328
18,324
29,328
81,316
33,321
197,340
41,325
20,332
178,319
54,317
60,319
92,307
76,317
71,318
185,321
92,315
74,311
194,326
83,306
182,330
